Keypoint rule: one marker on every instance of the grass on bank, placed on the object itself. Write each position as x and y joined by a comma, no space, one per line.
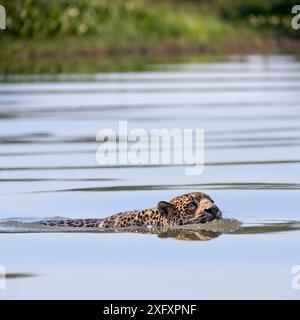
92,35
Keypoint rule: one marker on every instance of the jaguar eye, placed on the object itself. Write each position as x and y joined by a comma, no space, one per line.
192,206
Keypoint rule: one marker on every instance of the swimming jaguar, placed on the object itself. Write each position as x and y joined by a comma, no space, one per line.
190,208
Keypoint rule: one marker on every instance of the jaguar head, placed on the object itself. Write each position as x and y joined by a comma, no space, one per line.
190,208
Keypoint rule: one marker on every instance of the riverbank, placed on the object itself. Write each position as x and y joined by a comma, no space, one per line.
110,35
89,54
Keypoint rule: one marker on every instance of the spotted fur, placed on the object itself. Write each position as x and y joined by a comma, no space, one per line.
190,208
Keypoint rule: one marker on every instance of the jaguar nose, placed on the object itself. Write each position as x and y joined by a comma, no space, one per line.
214,210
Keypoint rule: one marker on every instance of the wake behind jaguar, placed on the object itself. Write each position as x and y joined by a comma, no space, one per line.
190,208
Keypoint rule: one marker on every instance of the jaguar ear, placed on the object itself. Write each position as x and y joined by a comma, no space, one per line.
165,208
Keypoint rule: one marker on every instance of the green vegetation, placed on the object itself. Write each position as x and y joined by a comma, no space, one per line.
113,20
67,35
272,15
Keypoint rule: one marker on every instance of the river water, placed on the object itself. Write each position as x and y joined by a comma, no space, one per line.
249,109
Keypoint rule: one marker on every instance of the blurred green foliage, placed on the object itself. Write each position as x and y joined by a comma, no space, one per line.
65,35
260,14
115,19
133,19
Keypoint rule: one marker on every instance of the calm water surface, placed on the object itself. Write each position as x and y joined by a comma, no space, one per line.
250,111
